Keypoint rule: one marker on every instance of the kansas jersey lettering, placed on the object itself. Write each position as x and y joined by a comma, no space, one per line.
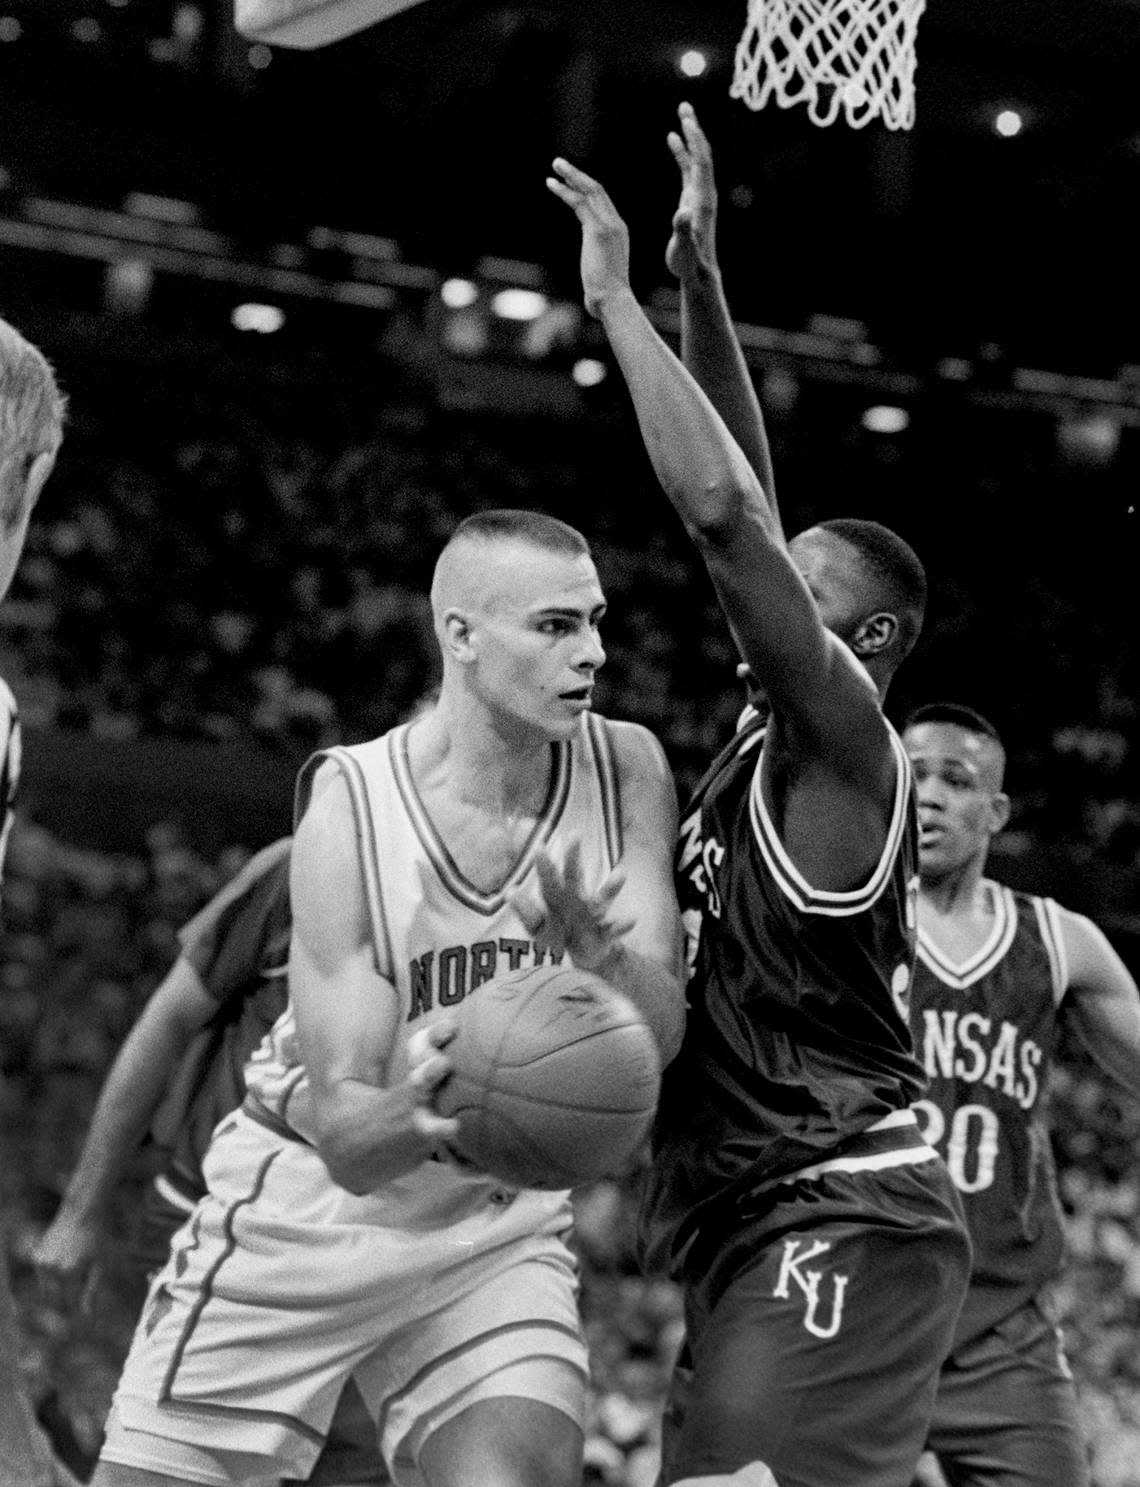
984,1031
796,1039
436,937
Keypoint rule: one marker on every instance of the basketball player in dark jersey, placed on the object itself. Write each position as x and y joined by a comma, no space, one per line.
819,1239
996,969
31,431
178,1073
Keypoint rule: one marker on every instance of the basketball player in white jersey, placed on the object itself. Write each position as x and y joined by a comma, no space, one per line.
505,824
31,429
996,972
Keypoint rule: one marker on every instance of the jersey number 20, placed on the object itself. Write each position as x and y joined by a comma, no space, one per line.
971,1146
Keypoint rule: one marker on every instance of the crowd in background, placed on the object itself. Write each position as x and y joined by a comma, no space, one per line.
237,547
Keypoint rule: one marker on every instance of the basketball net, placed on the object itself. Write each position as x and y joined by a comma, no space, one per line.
854,55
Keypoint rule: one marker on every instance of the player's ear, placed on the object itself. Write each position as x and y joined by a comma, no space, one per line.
457,635
999,811
875,635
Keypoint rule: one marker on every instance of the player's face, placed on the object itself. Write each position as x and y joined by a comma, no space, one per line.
538,641
830,568
957,776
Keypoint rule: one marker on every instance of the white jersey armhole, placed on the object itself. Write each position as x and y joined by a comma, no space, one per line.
792,882
609,784
1053,938
366,844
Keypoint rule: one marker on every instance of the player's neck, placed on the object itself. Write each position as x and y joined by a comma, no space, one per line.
959,897
475,763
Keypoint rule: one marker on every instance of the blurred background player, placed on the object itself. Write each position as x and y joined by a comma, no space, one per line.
996,971
331,1243
31,430
818,1237
179,1072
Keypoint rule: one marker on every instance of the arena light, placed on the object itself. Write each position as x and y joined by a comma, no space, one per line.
885,418
588,371
458,294
1089,438
263,320
1008,123
692,63
519,304
127,286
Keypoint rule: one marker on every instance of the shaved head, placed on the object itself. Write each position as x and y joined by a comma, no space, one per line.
479,569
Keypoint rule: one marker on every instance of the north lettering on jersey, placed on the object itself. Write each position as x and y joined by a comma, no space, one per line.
446,977
793,1270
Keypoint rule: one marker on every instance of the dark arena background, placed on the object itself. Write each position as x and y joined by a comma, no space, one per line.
311,308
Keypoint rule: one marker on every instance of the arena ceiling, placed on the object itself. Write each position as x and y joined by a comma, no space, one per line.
436,128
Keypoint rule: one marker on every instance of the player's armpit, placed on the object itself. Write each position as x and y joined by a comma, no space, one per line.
647,898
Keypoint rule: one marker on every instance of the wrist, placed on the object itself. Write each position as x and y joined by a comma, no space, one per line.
701,276
82,1212
614,301
607,965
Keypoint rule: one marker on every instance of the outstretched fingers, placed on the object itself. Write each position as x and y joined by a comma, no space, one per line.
696,141
581,192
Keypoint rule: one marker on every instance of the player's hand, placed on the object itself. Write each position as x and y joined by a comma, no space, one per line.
567,920
65,1261
691,252
428,1067
605,237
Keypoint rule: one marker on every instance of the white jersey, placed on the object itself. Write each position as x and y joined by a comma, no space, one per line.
436,937
9,765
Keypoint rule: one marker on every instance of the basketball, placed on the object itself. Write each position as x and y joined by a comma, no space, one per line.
555,1078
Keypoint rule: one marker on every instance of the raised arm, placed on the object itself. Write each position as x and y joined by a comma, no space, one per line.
134,1088
630,933
827,708
709,345
367,1129
1103,1001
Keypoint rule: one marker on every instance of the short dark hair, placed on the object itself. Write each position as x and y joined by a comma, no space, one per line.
894,566
524,526
957,714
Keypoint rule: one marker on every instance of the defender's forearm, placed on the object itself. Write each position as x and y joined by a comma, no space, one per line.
711,350
700,466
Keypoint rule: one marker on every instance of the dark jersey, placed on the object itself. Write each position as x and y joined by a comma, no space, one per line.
239,946
796,1039
984,1031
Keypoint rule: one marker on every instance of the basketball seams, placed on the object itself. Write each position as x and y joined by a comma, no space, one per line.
545,1098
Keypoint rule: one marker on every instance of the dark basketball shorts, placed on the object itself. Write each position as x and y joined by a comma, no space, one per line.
1006,1413
816,1328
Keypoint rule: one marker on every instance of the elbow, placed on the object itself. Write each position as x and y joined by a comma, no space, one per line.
343,1159
714,513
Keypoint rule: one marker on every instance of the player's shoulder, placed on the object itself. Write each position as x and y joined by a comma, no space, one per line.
261,872
1082,937
268,862
636,750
